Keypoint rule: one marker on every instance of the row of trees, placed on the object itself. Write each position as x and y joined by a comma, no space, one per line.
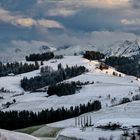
63,89
17,68
51,77
12,120
92,55
40,57
129,66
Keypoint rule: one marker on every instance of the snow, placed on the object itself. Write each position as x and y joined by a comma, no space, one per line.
90,133
13,83
9,135
125,122
78,49
124,48
127,115
104,84
94,41
18,52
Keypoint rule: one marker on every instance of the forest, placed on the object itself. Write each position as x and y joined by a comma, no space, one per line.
51,77
63,89
17,68
93,55
12,120
40,57
129,66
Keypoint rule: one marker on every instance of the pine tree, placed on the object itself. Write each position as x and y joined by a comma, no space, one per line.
90,121
41,63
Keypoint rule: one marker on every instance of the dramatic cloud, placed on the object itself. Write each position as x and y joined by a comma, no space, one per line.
96,3
49,23
66,21
7,17
131,22
26,22
95,38
106,3
28,44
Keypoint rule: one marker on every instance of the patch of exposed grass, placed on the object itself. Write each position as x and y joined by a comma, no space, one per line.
46,132
29,130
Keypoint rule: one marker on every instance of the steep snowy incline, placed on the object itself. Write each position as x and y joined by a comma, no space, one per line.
124,48
119,48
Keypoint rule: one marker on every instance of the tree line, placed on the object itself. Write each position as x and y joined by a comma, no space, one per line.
93,55
12,120
17,68
40,57
51,77
129,66
63,89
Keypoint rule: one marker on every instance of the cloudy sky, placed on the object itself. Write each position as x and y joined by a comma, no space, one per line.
30,22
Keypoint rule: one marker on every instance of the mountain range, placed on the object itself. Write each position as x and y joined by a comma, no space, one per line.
119,48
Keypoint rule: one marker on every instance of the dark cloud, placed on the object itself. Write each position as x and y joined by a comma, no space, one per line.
17,5
76,17
135,3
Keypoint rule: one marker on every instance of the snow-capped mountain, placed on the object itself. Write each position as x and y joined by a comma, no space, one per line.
124,48
15,54
119,48
45,48
78,49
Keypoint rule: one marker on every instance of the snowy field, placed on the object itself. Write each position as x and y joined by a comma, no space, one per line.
126,115
104,84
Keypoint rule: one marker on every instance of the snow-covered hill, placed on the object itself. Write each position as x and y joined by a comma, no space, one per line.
9,135
126,115
104,84
107,88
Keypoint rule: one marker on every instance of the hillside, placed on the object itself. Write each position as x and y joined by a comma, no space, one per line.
7,135
127,115
108,88
118,87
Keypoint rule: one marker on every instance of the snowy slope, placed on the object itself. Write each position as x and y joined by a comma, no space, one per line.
9,135
119,48
105,84
127,115
124,48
